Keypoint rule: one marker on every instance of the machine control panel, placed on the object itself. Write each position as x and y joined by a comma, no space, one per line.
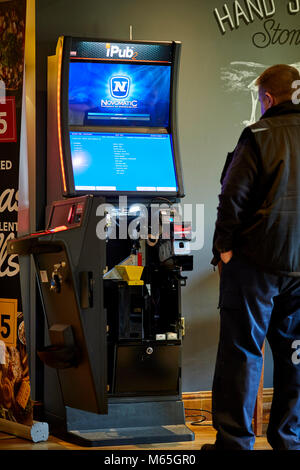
67,213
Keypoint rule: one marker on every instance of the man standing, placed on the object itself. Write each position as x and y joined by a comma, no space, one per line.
258,238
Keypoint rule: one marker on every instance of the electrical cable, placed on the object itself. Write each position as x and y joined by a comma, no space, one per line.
200,421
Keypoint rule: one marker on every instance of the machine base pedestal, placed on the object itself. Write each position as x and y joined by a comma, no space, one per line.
128,436
128,423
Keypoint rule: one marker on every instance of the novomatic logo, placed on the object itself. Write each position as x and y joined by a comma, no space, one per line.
119,86
125,52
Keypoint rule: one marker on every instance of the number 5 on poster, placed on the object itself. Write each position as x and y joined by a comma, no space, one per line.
8,321
8,132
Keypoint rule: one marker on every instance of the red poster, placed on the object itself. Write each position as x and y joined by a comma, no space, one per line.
15,401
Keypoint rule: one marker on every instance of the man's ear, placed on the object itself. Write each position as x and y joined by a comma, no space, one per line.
271,99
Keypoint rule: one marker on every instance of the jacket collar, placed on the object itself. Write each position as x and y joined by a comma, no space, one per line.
287,107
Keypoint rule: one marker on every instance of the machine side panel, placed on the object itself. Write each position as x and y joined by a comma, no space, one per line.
176,59
90,268
54,178
77,384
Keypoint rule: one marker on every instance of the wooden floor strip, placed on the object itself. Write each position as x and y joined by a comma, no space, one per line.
204,433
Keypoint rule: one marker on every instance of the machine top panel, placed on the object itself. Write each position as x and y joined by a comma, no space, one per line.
145,52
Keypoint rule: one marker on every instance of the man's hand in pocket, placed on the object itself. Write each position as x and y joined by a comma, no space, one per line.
226,257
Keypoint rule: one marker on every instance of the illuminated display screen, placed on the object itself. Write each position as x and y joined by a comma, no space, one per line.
106,94
123,162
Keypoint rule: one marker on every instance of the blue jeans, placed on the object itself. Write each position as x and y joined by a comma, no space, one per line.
254,305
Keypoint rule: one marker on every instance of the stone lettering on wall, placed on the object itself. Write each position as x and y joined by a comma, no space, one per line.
273,33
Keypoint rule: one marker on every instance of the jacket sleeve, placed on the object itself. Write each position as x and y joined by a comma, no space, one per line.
216,255
237,190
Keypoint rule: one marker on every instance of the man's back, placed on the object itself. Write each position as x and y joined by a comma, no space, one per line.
264,177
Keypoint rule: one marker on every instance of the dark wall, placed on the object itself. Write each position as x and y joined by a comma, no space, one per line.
214,104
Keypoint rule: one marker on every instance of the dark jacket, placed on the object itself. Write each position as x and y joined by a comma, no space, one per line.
259,206
216,253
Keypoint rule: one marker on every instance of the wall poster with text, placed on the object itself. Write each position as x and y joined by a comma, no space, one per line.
15,402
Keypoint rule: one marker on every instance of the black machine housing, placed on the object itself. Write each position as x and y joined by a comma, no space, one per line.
113,345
